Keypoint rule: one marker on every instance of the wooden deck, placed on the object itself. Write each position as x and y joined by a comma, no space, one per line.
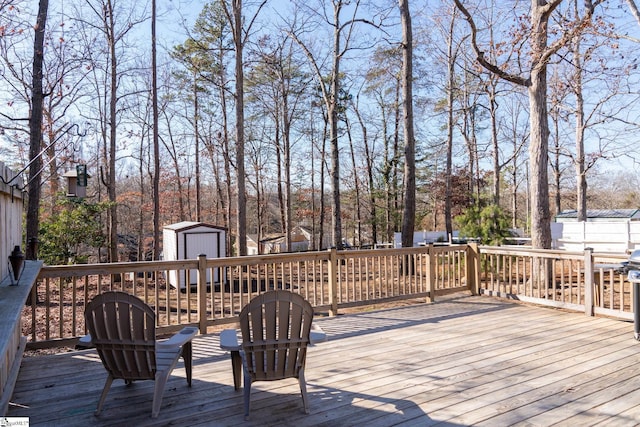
461,361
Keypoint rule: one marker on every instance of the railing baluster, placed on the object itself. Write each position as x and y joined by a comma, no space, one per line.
330,278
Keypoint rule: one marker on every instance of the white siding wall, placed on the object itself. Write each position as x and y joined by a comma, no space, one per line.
614,237
187,240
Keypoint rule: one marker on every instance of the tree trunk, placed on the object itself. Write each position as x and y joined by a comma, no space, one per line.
396,192
514,179
493,106
173,152
539,138
111,167
387,169
156,143
240,174
196,131
409,212
536,84
51,135
451,61
35,133
555,162
314,243
469,134
224,145
141,213
279,172
581,177
323,162
286,143
370,178
336,211
356,183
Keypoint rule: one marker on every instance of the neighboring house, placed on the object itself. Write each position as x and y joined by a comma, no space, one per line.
301,237
253,246
605,230
423,238
273,244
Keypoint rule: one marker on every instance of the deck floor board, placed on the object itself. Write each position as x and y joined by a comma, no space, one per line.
464,360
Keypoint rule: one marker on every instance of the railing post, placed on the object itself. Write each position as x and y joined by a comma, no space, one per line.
473,268
202,293
431,274
588,282
333,282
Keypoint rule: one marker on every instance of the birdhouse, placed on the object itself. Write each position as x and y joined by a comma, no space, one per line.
77,181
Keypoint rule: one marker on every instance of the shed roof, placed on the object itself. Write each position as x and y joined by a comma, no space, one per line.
186,225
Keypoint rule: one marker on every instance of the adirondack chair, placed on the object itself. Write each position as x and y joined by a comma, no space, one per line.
275,329
123,330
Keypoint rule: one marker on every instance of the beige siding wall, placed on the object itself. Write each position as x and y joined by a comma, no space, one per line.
11,203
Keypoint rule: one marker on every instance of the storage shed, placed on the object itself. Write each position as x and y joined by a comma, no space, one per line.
605,230
601,215
187,240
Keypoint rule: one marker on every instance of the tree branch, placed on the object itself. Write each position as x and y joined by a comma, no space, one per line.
634,10
575,30
513,78
314,65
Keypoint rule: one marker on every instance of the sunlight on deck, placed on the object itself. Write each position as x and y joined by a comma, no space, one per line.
465,360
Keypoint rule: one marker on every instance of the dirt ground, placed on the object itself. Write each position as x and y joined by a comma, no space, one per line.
343,311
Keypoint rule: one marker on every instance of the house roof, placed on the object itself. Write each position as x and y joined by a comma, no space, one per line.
603,214
273,238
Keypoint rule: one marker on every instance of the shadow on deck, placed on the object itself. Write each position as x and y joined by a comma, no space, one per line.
464,360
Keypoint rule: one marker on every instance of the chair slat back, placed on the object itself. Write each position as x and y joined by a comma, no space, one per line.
275,333
122,328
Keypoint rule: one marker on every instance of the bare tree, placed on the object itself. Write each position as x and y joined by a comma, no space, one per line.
331,88
357,240
409,212
277,86
512,130
112,22
240,33
155,137
172,146
35,132
536,83
368,148
384,86
588,69
452,54
204,55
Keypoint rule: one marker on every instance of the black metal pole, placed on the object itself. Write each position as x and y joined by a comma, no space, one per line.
634,278
636,310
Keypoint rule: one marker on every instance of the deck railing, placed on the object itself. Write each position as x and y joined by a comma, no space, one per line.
583,281
210,292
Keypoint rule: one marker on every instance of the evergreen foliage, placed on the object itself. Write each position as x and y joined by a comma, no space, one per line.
66,235
487,223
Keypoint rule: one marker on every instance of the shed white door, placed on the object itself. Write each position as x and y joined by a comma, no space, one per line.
196,243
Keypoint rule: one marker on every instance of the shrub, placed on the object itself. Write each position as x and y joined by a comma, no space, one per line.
489,224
